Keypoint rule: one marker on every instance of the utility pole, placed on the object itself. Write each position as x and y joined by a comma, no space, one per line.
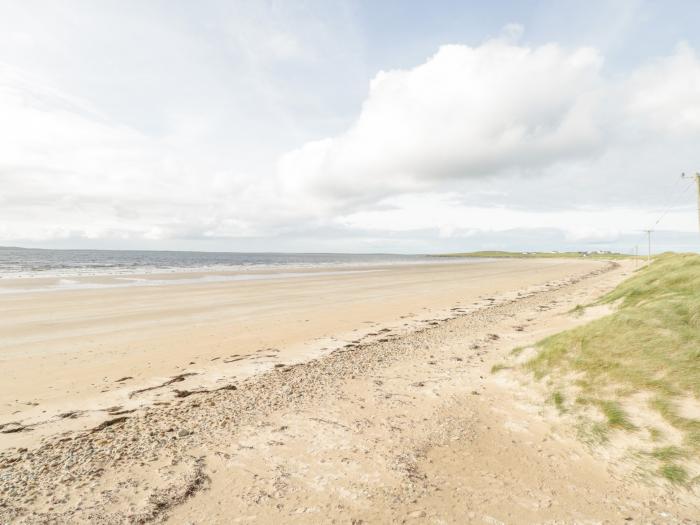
649,243
697,181
636,255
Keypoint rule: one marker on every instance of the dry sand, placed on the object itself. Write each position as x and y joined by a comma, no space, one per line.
79,352
353,398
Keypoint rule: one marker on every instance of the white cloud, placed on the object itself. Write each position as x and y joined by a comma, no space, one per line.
520,137
446,214
666,93
465,113
489,138
67,170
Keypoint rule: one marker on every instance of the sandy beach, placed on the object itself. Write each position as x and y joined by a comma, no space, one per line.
357,397
90,345
349,262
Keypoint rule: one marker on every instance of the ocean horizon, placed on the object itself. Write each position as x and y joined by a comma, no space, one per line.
48,262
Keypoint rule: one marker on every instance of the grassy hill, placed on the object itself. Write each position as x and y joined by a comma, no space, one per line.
643,358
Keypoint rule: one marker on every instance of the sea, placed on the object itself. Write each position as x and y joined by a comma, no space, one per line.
32,262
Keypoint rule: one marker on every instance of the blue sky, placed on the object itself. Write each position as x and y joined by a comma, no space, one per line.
348,126
401,34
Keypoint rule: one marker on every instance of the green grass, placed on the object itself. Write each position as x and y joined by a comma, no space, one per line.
498,367
578,310
690,427
674,473
649,345
655,434
615,415
669,453
558,400
496,254
593,432
515,352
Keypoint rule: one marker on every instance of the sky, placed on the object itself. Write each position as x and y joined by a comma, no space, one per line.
349,126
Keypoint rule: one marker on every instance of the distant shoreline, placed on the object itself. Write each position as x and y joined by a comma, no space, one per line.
496,254
24,262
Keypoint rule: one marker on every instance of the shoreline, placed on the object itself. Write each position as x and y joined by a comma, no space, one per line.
147,271
82,282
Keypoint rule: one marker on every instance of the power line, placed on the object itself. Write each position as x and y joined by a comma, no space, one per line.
671,201
670,204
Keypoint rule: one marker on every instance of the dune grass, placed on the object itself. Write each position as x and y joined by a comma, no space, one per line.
616,415
650,345
674,473
669,453
558,400
578,310
498,367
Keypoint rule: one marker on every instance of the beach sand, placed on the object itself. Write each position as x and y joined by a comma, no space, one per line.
87,350
362,397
